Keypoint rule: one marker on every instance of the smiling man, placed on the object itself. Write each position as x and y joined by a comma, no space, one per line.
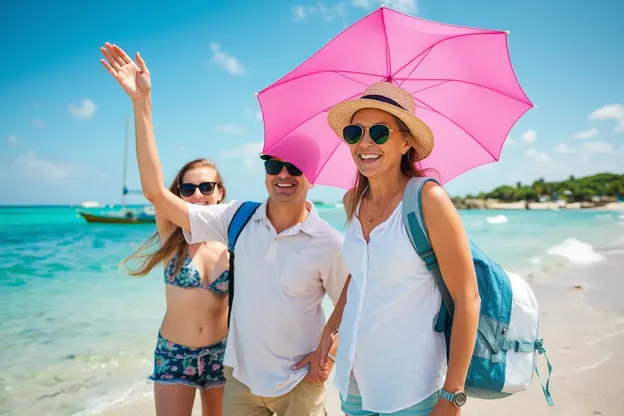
287,259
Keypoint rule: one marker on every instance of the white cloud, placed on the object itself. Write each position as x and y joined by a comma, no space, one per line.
31,167
405,6
509,141
586,134
83,109
529,136
249,153
538,156
610,112
598,147
228,62
364,4
13,139
329,13
562,148
37,123
299,12
230,128
593,147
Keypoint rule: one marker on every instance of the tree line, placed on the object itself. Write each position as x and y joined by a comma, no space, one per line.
602,185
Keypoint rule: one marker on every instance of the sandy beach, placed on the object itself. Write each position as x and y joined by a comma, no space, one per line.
582,322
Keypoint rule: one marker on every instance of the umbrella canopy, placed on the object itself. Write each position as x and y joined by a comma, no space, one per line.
461,79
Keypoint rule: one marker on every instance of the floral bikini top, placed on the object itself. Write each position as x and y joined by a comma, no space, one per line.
189,277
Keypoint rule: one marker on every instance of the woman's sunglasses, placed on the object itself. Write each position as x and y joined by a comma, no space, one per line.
379,133
188,189
274,167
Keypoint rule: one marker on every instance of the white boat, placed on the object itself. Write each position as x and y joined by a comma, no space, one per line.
124,215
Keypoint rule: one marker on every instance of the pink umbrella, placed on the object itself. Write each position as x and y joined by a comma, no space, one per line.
461,79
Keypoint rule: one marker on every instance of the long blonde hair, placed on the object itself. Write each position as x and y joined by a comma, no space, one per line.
409,167
175,244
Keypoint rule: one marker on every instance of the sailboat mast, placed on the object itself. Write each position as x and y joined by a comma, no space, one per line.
125,166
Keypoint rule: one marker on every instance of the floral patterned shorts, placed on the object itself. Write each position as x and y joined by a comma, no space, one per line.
199,367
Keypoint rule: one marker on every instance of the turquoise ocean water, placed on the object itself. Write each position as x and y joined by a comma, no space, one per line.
77,334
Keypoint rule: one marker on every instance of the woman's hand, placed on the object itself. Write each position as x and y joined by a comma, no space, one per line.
134,78
320,366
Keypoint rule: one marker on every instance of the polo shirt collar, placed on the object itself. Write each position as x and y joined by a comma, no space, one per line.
308,226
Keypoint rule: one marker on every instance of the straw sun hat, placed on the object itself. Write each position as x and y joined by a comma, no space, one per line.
390,98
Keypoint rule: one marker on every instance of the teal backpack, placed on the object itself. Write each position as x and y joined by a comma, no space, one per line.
507,344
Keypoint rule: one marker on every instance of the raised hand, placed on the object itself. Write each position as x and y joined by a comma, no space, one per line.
134,78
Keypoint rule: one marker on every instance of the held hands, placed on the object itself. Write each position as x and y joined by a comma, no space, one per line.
134,78
320,365
316,373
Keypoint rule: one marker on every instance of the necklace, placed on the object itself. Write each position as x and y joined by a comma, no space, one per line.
370,220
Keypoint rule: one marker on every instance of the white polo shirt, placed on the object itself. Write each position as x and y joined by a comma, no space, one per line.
280,282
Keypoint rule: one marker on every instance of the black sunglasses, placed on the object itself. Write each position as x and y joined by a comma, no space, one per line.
188,189
274,167
379,133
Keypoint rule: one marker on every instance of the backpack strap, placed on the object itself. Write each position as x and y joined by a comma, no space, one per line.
240,219
417,232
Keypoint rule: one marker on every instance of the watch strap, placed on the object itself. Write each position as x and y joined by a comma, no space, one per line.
448,396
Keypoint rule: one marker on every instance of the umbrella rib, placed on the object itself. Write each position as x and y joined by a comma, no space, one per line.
455,123
388,64
308,119
445,80
429,87
417,65
424,106
352,79
327,160
441,41
333,71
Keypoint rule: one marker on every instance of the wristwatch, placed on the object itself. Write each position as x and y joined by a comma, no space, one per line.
457,398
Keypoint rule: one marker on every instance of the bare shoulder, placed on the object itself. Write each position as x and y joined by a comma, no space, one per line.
436,203
435,196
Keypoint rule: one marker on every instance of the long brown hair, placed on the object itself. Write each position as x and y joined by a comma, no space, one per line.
175,244
409,167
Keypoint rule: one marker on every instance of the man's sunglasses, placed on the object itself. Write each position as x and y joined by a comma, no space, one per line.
274,167
379,133
188,189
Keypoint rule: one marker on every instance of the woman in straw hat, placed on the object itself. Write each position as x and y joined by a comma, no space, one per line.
390,360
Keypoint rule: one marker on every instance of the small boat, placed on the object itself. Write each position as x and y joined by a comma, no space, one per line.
123,215
120,217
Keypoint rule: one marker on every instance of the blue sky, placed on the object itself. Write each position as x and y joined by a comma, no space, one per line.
62,117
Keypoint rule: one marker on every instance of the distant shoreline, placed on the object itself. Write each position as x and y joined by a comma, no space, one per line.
493,204
463,204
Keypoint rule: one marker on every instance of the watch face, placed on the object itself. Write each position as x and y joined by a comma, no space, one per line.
460,398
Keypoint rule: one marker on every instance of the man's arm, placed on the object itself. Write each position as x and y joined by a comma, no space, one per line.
210,222
335,276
